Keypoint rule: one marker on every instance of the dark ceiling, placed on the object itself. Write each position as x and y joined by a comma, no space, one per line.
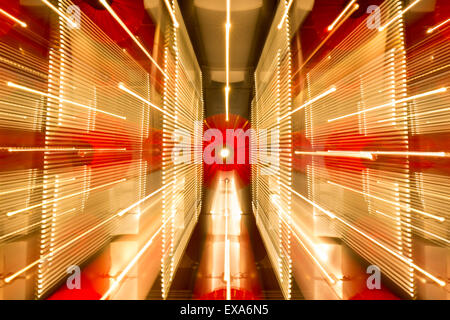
249,25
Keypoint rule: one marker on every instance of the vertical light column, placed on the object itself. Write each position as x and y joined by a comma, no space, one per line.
271,118
182,121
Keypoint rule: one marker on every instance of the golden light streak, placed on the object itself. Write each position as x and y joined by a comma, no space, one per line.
131,264
122,212
331,26
62,15
10,16
369,155
315,205
55,251
393,103
33,187
401,257
286,12
407,207
430,30
411,154
11,213
48,95
227,61
132,36
172,14
398,15
320,96
227,262
60,149
313,257
122,87
346,154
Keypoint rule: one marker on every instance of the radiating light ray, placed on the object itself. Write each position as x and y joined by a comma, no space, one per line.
48,95
315,99
134,205
432,29
132,36
11,17
414,227
227,61
24,149
62,15
401,257
398,15
172,14
393,103
286,12
33,187
57,250
331,26
440,219
46,202
315,205
333,153
122,87
132,263
369,155
410,154
312,256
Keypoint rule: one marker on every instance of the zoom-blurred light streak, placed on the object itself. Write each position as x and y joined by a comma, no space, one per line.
85,156
381,198
359,162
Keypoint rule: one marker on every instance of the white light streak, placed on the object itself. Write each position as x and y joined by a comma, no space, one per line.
62,15
286,12
11,17
320,96
227,61
369,155
346,154
122,212
60,149
122,87
132,36
401,257
131,264
331,26
407,207
398,15
430,30
392,103
11,213
48,95
172,14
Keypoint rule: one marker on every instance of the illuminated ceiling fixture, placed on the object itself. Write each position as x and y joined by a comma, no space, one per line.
138,43
224,153
331,26
398,15
285,14
6,14
430,30
227,62
62,15
172,14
